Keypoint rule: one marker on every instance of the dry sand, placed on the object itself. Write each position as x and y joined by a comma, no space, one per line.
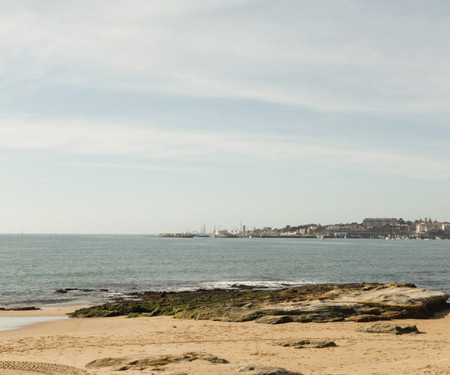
65,347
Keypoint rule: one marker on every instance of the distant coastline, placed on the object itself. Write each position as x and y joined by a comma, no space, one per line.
370,228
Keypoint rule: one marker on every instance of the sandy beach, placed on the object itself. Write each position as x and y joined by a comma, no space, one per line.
66,347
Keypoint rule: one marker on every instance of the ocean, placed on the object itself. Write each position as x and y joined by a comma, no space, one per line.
97,268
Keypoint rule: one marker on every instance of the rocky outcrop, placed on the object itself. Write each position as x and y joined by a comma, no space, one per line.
316,303
338,303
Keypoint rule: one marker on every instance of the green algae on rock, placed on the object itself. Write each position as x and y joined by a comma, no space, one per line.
314,303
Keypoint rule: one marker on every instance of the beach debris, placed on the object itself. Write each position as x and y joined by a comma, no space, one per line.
40,368
265,370
307,343
389,328
141,363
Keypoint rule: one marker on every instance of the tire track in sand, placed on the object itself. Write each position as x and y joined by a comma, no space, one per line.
18,367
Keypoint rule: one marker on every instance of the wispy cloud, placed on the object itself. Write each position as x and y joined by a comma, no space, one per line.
145,167
359,57
90,138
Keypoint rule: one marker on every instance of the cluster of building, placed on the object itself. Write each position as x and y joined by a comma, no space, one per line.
388,228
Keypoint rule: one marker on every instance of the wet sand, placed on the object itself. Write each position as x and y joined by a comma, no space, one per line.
66,347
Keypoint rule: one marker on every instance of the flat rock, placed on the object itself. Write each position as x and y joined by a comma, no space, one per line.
275,319
141,363
363,318
308,343
389,328
264,370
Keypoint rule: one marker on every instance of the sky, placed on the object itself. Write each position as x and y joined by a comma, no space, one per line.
150,116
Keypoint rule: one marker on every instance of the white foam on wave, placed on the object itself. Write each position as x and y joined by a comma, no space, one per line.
257,284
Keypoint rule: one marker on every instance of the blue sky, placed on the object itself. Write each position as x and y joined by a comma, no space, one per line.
151,116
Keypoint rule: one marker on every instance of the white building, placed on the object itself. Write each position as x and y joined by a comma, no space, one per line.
428,226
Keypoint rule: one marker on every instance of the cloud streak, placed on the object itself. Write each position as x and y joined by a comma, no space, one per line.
84,137
360,57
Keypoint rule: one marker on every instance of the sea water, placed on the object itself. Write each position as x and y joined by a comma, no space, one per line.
34,267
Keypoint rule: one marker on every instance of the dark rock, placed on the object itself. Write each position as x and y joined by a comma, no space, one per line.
275,319
25,308
84,290
242,287
363,318
214,359
247,287
308,343
389,328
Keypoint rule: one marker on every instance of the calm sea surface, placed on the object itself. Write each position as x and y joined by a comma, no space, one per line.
33,267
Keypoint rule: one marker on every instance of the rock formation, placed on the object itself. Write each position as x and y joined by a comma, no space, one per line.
316,303
156,362
337,303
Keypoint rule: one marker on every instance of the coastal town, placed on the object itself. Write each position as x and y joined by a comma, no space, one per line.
370,228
